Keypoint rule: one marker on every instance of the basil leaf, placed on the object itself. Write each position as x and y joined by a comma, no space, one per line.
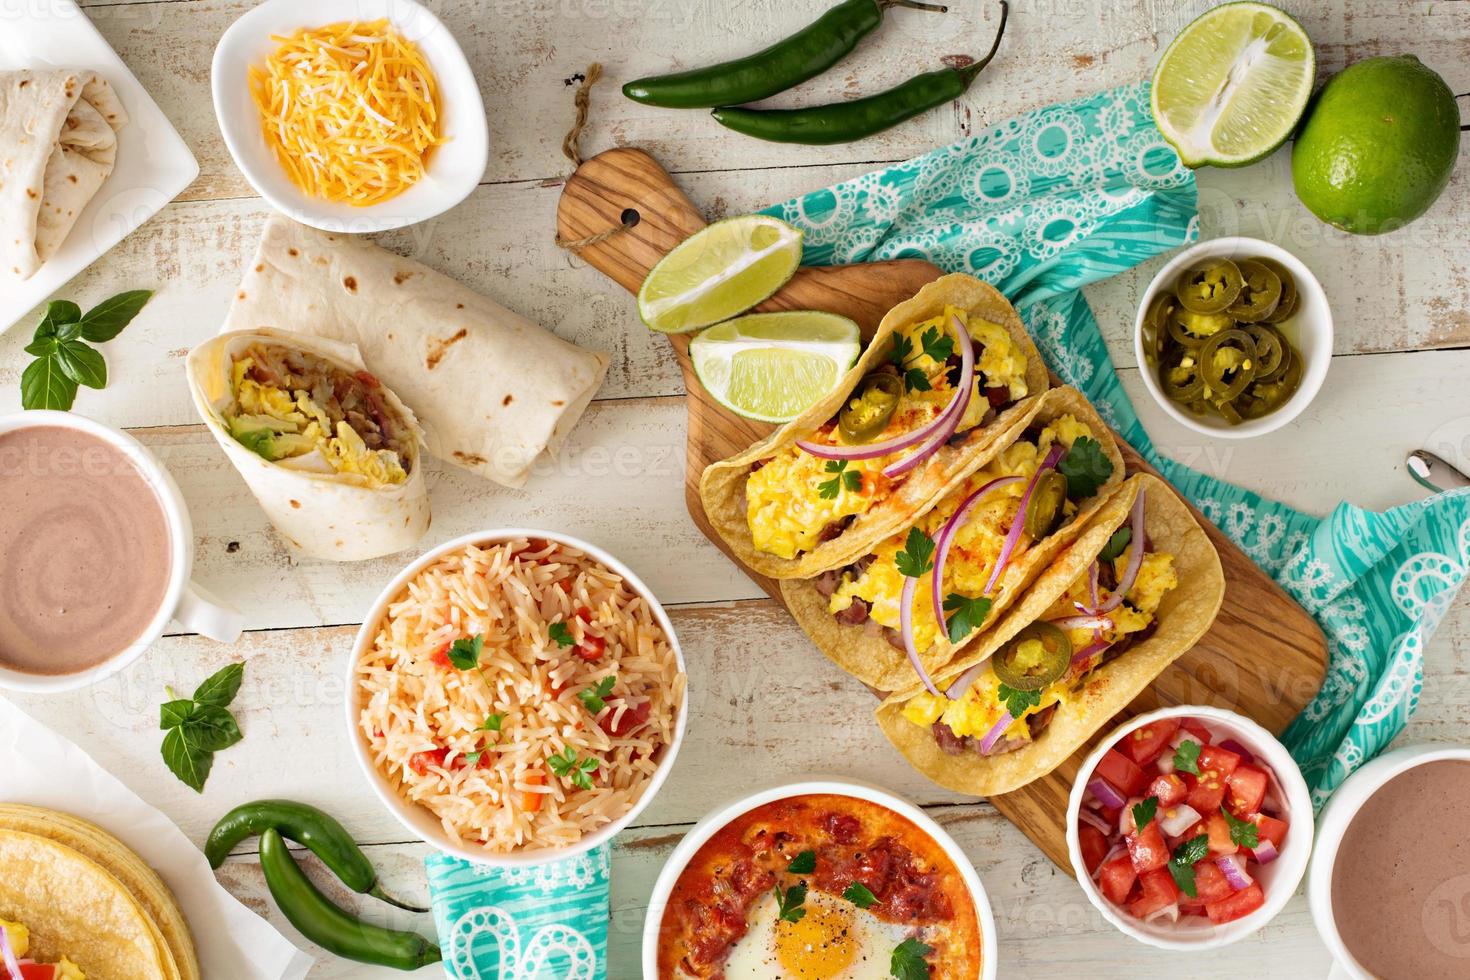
172,714
82,364
44,384
222,686
186,760
59,313
43,345
212,728
107,319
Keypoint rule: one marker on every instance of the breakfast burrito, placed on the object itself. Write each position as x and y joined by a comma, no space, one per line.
1128,597
949,373
329,451
494,391
986,539
58,143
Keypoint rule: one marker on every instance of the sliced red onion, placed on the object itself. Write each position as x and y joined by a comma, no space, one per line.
1135,559
991,737
1231,745
1265,852
1170,912
1083,623
12,966
1013,536
1232,866
1095,819
949,419
1114,851
1176,820
951,529
1103,790
906,627
869,450
962,683
1082,656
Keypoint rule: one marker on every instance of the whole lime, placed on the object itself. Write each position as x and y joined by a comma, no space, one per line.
1377,146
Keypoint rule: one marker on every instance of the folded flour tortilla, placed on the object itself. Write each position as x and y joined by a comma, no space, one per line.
494,391
321,513
58,143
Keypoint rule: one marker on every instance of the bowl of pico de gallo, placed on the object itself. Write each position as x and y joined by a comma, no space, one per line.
1189,827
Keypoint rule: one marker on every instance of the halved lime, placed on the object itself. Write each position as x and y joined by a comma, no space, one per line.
719,272
771,367
1233,84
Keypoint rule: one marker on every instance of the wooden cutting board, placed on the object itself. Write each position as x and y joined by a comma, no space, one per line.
1264,656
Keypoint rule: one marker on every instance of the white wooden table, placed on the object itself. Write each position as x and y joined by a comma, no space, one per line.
764,704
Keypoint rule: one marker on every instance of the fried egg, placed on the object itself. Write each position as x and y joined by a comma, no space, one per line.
833,940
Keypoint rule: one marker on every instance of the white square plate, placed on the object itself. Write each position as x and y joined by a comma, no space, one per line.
153,164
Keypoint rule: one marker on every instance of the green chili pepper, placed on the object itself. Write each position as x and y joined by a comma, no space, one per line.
316,918
308,826
843,122
803,55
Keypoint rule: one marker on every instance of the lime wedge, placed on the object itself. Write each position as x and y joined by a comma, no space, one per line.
771,367
1233,84
719,272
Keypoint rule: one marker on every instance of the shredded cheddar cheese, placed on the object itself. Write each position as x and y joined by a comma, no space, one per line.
350,110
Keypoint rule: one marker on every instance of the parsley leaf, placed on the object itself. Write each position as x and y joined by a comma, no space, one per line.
917,556
803,864
592,697
492,723
908,961
903,349
851,479
574,770
561,634
464,653
1086,468
1242,832
916,380
968,616
790,902
200,726
858,894
470,758
937,344
1017,702
1116,545
1181,866
1144,812
1186,757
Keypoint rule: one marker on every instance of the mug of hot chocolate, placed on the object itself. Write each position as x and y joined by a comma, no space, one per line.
1390,879
98,553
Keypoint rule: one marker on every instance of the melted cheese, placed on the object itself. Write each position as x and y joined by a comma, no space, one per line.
350,110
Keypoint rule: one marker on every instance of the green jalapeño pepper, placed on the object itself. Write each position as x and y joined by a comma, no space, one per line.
783,65
1287,306
306,825
843,122
1260,292
1209,286
1034,657
1048,499
316,918
871,407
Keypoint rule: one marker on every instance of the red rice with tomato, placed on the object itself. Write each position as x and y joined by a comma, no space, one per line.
424,718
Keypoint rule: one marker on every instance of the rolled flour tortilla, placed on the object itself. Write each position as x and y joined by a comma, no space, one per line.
494,391
58,143
321,513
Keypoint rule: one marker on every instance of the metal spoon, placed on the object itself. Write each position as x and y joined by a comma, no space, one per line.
1433,473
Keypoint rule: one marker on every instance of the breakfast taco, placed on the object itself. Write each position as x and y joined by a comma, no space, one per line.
1132,593
73,919
948,373
329,452
933,585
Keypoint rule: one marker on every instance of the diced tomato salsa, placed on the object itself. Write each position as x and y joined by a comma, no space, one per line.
1169,868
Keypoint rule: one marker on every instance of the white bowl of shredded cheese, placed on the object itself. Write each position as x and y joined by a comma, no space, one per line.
350,115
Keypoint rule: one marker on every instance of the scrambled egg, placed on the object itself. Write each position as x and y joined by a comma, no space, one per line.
976,545
980,708
792,498
20,944
280,424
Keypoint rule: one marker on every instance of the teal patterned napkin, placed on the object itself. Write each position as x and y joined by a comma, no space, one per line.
529,922
1047,202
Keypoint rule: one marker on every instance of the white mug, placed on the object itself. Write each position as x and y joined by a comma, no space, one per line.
195,609
1333,824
